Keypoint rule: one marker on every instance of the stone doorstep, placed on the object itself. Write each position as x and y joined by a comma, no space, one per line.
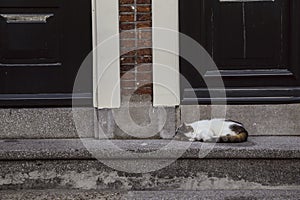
207,194
262,163
62,123
258,147
182,175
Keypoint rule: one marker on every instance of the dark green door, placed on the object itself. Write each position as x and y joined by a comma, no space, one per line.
255,45
42,45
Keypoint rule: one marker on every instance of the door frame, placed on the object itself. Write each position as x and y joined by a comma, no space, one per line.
166,80
166,16
105,25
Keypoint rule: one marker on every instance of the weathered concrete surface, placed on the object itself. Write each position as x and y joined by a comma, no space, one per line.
141,120
153,195
258,119
46,122
216,195
58,194
183,174
262,163
258,147
137,120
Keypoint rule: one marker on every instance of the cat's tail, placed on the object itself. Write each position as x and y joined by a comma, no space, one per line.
240,137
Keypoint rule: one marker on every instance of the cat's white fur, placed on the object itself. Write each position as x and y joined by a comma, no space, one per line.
210,130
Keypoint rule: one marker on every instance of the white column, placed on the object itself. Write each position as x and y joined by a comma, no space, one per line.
166,88
106,64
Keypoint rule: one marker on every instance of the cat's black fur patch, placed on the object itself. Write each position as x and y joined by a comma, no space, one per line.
242,134
237,129
229,120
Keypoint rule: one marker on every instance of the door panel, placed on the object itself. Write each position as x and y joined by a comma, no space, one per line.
42,45
25,41
255,46
250,35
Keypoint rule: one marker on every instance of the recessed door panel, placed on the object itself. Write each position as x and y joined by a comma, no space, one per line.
250,35
255,45
42,45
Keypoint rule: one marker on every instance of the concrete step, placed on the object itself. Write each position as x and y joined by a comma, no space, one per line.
154,195
257,147
45,122
261,163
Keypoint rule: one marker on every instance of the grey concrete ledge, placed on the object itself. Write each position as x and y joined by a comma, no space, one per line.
267,120
42,123
265,147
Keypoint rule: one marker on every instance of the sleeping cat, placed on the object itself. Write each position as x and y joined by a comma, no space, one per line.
214,130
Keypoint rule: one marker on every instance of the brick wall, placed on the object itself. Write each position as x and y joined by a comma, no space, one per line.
136,46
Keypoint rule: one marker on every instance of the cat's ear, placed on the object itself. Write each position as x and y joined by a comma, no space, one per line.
184,125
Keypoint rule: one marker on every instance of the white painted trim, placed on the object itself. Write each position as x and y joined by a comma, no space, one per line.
105,20
166,78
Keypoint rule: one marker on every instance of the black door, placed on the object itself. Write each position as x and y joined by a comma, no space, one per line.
42,45
255,45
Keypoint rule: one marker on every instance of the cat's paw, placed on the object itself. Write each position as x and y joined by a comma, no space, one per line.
225,139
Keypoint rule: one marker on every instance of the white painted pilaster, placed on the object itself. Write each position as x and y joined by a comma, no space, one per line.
106,64
166,88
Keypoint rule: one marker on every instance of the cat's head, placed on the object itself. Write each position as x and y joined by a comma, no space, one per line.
182,131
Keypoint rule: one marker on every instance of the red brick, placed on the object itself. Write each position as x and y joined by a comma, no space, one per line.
127,26
126,1
127,60
144,83
128,35
144,76
143,1
128,43
125,52
128,53
127,18
128,84
126,9
136,46
144,52
144,8
128,76
145,34
144,68
144,90
144,25
127,92
144,59
144,43
143,17
125,68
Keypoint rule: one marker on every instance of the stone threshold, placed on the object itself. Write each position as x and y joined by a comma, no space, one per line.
258,147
